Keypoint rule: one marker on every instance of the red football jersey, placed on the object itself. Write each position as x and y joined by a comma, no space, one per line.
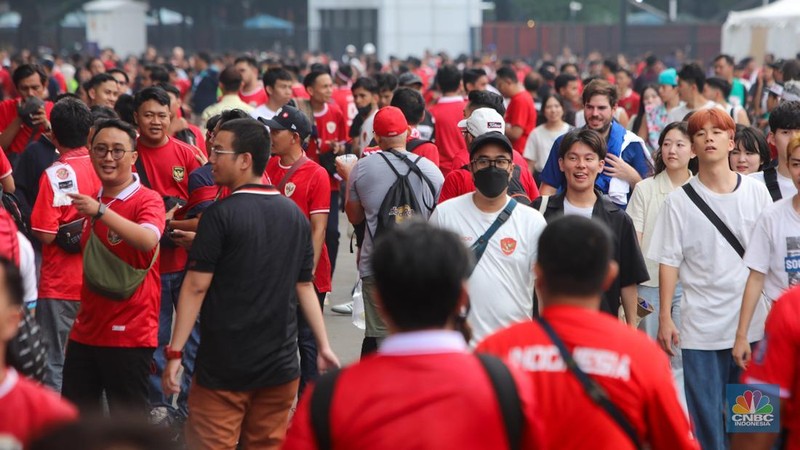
134,322
28,411
343,97
255,98
5,165
632,369
630,104
310,189
459,181
331,126
447,112
62,272
776,360
168,168
299,91
8,112
521,112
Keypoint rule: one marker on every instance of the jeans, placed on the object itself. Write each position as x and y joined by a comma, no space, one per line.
332,231
707,372
170,290
650,326
308,348
55,318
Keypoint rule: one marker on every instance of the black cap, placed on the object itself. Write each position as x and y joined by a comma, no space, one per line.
493,137
289,118
408,79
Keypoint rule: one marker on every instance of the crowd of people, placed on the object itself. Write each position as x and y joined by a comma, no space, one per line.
567,254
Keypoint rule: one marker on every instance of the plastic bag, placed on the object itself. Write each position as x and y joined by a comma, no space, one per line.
358,307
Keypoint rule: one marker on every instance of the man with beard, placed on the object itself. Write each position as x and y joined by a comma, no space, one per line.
627,161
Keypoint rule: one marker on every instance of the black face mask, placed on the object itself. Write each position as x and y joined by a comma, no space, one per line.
491,181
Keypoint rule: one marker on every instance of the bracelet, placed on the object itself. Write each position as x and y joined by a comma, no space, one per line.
101,209
171,354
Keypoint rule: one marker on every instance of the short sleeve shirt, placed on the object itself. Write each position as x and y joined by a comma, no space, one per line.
331,126
8,112
521,112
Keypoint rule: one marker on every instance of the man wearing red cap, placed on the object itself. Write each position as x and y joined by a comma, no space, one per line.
368,182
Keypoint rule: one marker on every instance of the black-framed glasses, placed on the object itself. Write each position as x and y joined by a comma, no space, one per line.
101,151
500,163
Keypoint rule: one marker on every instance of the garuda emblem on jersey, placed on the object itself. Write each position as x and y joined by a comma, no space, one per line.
331,127
508,245
178,173
289,189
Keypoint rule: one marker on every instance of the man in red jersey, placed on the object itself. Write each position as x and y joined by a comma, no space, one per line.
343,95
111,345
776,361
15,131
423,371
167,163
62,265
306,183
180,128
574,267
27,410
521,113
325,144
252,91
447,112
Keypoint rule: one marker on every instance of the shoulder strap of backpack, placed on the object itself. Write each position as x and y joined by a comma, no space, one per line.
141,172
714,218
543,205
412,165
771,180
507,396
321,399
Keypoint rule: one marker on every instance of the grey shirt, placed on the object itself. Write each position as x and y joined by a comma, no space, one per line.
371,180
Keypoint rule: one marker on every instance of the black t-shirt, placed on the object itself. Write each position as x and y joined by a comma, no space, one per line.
257,244
37,157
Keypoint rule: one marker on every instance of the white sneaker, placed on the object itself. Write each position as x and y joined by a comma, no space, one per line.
344,308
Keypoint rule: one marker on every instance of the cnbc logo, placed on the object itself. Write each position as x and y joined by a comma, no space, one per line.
753,408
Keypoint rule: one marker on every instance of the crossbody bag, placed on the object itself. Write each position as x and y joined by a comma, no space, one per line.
714,218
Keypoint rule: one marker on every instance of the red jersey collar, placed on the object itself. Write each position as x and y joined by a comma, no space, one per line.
8,382
80,152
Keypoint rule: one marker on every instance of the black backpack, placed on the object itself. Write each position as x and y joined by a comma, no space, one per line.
23,221
400,203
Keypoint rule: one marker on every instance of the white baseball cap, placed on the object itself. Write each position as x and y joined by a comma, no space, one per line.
482,121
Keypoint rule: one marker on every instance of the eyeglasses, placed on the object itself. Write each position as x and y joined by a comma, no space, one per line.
500,163
100,152
219,151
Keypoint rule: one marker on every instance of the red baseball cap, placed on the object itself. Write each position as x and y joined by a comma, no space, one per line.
389,121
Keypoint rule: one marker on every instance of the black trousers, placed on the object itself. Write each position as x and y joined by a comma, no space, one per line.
122,373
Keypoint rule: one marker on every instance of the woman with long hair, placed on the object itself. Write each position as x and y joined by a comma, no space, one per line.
541,139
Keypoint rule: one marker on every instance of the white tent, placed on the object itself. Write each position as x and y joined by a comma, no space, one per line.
773,28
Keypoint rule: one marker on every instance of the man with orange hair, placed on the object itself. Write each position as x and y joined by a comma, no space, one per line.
699,240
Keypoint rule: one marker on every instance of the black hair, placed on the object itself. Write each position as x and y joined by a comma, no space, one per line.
626,72
250,136
311,78
563,80
420,272
97,80
118,124
271,76
158,73
114,70
411,103
786,116
66,95
721,84
568,64
487,99
640,113
171,89
204,56
366,83
590,138
693,74
246,59
230,79
319,67
346,70
232,114
212,122
612,66
560,100
658,160
71,120
728,59
471,76
125,107
574,256
100,112
151,93
125,430
752,140
13,281
532,81
386,82
507,73
791,70
26,70
448,78
88,65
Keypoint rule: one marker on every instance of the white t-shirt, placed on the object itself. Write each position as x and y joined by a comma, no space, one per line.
711,272
540,141
501,286
262,111
785,184
572,210
27,268
367,133
677,114
774,248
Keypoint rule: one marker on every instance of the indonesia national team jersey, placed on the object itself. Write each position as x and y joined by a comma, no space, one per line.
776,360
168,168
104,322
631,368
447,112
28,411
62,272
8,112
256,97
310,189
331,126
521,113
343,97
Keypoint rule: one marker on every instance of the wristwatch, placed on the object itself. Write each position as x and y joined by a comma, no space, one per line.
100,210
170,354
